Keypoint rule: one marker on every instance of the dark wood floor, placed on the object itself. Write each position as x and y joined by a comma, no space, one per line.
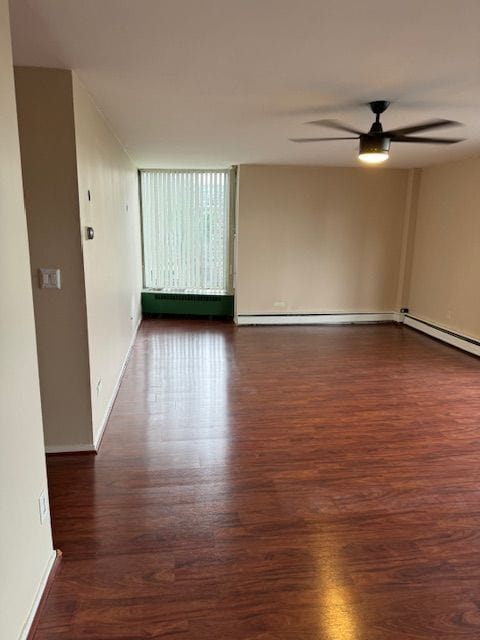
287,483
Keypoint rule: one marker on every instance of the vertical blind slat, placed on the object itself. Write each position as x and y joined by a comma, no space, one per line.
186,226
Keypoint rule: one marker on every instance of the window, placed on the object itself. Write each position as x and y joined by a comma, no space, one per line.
186,230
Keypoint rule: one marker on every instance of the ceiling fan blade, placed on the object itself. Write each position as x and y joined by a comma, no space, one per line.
423,126
320,139
335,124
426,140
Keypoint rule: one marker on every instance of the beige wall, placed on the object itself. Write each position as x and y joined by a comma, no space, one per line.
85,329
319,240
446,261
408,238
26,545
112,260
47,142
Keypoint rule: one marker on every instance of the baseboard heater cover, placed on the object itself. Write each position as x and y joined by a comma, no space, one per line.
319,318
201,304
445,335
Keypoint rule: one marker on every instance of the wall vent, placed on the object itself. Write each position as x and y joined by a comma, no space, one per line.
191,297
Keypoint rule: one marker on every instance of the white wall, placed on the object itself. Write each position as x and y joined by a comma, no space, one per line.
26,545
112,260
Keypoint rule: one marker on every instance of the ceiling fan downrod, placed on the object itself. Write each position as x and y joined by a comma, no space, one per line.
378,107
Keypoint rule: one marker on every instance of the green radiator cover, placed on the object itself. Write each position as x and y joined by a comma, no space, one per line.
189,304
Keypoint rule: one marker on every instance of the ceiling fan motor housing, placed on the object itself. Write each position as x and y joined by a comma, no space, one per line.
374,144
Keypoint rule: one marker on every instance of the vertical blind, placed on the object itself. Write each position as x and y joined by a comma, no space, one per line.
186,229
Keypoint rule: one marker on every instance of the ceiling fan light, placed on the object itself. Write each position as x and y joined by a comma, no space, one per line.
373,149
373,158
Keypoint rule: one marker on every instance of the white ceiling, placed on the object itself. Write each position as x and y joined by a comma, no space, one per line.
210,83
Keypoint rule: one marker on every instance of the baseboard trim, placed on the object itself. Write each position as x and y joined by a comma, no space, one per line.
99,436
93,448
70,448
31,624
445,335
318,318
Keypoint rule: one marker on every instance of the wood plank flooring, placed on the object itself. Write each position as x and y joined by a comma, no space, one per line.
275,483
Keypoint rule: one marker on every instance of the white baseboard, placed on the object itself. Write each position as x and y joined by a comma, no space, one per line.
462,342
108,411
38,596
78,448
320,318
69,448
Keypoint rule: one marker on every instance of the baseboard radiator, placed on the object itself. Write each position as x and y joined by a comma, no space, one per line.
318,318
187,304
471,345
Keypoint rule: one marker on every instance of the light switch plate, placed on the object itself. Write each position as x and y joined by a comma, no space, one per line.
49,278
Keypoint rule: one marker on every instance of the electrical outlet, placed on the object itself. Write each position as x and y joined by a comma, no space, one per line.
43,506
280,304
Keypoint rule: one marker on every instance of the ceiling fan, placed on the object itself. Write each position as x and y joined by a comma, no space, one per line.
375,145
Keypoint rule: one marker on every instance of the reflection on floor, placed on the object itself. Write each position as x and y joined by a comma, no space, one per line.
276,483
